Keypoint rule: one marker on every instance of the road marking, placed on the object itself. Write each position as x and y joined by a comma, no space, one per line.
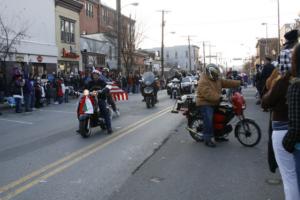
16,121
58,111
73,158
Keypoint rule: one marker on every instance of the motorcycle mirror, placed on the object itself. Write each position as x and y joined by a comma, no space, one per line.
223,92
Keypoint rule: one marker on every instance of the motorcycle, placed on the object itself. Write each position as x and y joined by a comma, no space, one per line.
88,113
246,130
175,88
148,88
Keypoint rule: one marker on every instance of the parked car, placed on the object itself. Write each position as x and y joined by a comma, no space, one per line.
187,85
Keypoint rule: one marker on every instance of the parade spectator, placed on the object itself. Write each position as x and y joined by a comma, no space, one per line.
28,91
291,141
32,82
59,91
17,90
137,78
275,99
130,83
48,92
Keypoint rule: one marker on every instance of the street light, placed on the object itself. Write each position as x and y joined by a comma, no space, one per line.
266,46
119,28
130,4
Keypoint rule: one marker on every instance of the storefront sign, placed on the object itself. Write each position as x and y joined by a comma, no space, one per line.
66,54
19,58
39,59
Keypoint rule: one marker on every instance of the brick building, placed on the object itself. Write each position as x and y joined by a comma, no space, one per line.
89,17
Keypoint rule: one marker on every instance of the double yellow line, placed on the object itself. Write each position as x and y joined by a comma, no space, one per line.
21,185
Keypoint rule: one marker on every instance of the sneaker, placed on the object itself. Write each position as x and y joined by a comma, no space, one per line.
221,139
210,144
56,103
109,131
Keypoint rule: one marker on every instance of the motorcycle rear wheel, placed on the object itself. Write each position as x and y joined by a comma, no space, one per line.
248,133
196,124
85,128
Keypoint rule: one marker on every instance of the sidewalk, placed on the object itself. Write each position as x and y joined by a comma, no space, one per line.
184,169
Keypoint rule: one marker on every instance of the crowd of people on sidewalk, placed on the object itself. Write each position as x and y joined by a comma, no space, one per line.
27,92
278,85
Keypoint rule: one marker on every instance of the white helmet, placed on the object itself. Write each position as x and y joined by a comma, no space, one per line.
213,71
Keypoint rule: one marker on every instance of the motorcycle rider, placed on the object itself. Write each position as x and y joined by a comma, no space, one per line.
105,77
209,92
155,87
98,84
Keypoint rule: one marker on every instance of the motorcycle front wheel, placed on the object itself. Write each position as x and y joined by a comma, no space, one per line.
195,128
85,128
248,132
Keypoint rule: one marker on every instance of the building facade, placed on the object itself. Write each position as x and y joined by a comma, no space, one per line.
37,51
68,35
90,17
179,57
266,47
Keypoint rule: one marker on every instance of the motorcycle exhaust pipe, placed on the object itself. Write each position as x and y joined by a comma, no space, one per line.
191,130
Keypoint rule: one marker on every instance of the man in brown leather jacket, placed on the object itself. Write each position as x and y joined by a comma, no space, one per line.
209,92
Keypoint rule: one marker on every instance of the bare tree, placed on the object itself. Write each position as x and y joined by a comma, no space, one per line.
9,39
131,40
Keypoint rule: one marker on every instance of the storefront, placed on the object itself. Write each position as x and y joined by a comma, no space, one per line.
69,62
68,36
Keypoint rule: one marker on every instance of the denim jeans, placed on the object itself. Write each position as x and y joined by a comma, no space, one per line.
104,112
66,96
18,105
207,113
32,102
297,161
27,102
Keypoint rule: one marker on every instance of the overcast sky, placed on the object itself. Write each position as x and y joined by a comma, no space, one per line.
226,23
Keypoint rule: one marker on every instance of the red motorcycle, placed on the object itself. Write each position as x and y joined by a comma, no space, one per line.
246,130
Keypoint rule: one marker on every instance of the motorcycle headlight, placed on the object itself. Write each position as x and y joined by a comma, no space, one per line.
147,82
148,90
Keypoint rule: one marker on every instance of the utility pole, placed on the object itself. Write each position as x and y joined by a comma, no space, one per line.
189,51
190,62
278,26
204,64
119,29
162,41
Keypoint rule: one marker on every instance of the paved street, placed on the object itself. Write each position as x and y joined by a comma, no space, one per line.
149,156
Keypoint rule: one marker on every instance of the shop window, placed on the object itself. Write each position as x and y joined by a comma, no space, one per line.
67,30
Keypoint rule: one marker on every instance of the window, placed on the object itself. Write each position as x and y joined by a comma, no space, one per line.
67,30
89,9
105,16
